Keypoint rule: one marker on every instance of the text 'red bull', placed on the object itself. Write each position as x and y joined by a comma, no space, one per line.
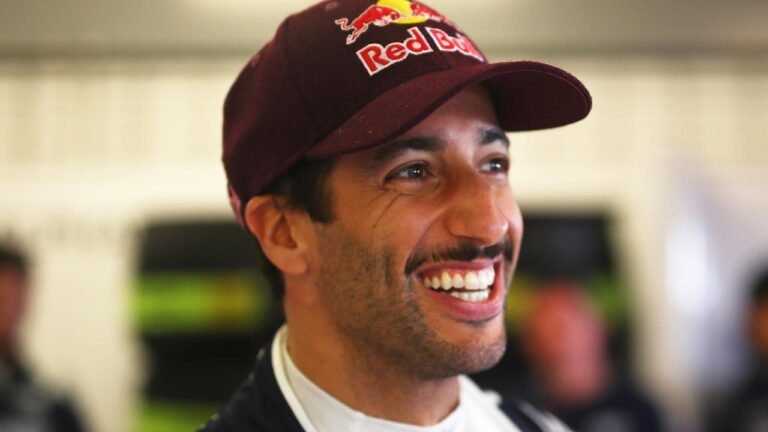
376,57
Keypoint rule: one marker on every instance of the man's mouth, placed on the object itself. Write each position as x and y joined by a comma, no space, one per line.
472,286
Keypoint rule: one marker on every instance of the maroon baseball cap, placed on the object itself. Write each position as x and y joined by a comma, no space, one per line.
347,75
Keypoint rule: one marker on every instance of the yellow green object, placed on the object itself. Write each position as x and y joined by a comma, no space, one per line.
206,302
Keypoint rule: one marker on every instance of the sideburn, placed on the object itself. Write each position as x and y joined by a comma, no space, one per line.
308,189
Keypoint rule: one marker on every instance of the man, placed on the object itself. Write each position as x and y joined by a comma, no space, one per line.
365,151
565,341
24,406
747,409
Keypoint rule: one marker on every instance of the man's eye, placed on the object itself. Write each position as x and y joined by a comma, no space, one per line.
413,178
410,172
496,165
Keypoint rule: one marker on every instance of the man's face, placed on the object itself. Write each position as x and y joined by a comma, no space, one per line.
563,334
414,219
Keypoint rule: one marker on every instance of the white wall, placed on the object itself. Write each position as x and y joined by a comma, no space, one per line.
92,148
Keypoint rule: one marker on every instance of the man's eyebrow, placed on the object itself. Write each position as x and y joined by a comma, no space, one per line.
394,149
492,135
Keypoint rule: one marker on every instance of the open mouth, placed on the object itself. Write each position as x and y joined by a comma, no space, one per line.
469,285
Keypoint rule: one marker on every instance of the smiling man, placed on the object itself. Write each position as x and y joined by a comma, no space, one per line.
366,151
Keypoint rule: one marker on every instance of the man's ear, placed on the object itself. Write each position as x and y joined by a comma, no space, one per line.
269,221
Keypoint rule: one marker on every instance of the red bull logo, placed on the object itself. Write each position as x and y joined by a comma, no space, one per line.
376,57
386,12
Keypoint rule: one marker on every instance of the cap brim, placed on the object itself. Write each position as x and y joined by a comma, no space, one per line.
527,96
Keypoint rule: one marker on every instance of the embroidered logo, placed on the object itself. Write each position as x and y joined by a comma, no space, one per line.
376,57
386,12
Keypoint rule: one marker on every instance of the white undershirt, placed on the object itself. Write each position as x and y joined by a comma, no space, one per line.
317,411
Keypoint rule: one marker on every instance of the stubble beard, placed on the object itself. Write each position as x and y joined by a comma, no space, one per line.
377,312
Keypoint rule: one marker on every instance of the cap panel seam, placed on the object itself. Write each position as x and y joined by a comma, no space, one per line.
292,77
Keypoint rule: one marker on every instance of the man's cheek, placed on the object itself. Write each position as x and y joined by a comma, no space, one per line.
403,219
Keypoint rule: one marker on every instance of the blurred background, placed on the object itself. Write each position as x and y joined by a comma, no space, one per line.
143,304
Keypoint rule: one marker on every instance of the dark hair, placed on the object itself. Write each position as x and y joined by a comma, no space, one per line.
14,259
304,187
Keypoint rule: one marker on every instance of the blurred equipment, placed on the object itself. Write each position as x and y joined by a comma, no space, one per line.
748,409
25,406
202,312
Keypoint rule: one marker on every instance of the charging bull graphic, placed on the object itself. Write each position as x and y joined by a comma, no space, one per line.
386,12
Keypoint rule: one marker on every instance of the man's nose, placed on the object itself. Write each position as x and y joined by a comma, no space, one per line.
476,211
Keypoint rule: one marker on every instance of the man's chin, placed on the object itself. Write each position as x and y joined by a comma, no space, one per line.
489,354
479,354
485,362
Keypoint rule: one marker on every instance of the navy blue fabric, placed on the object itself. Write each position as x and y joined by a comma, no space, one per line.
520,418
258,405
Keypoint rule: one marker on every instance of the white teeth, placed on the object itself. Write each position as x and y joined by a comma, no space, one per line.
472,297
447,281
487,277
483,278
472,281
436,282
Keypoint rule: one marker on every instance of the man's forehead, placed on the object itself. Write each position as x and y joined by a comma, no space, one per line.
437,142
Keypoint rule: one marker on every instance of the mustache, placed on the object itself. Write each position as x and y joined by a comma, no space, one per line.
465,251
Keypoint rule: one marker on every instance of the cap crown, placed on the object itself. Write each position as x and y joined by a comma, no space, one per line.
346,75
323,65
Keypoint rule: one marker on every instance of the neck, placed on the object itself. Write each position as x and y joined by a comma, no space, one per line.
367,382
